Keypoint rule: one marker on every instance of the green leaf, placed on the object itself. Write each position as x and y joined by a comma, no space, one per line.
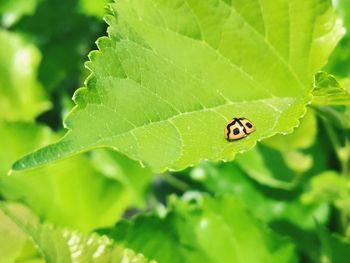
12,10
172,73
280,161
266,205
14,244
328,91
94,8
292,146
303,137
336,116
339,60
257,164
335,249
67,246
64,39
282,210
203,229
21,96
78,192
329,187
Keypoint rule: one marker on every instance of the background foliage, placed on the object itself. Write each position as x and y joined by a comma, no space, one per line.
158,198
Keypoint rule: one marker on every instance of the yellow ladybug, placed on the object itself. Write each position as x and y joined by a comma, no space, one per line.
238,128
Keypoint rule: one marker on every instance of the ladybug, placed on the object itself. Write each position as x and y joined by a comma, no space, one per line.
238,128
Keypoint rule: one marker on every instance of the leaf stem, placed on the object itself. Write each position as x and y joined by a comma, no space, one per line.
175,182
343,153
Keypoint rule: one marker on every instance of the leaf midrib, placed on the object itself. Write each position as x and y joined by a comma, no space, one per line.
208,109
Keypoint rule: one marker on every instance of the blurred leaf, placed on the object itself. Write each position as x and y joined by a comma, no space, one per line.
196,63
258,165
282,210
337,116
228,178
293,146
73,192
14,244
303,136
63,245
124,170
64,39
279,161
21,96
335,248
329,187
12,10
328,91
339,60
203,229
93,7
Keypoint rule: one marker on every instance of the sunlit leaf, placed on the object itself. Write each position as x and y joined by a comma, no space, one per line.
21,95
12,10
92,7
64,39
172,73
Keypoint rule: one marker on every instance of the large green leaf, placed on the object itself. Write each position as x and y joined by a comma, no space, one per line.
172,73
78,192
203,229
21,95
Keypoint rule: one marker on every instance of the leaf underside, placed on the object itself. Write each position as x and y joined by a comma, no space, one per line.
172,73
328,92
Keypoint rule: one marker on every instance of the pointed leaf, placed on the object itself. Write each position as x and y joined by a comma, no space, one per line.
173,73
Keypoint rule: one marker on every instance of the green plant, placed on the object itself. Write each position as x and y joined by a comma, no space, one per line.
143,172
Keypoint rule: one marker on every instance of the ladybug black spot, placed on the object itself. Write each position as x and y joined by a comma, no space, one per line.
235,131
249,125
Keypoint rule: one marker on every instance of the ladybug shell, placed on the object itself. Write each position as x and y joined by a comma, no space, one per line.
238,128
